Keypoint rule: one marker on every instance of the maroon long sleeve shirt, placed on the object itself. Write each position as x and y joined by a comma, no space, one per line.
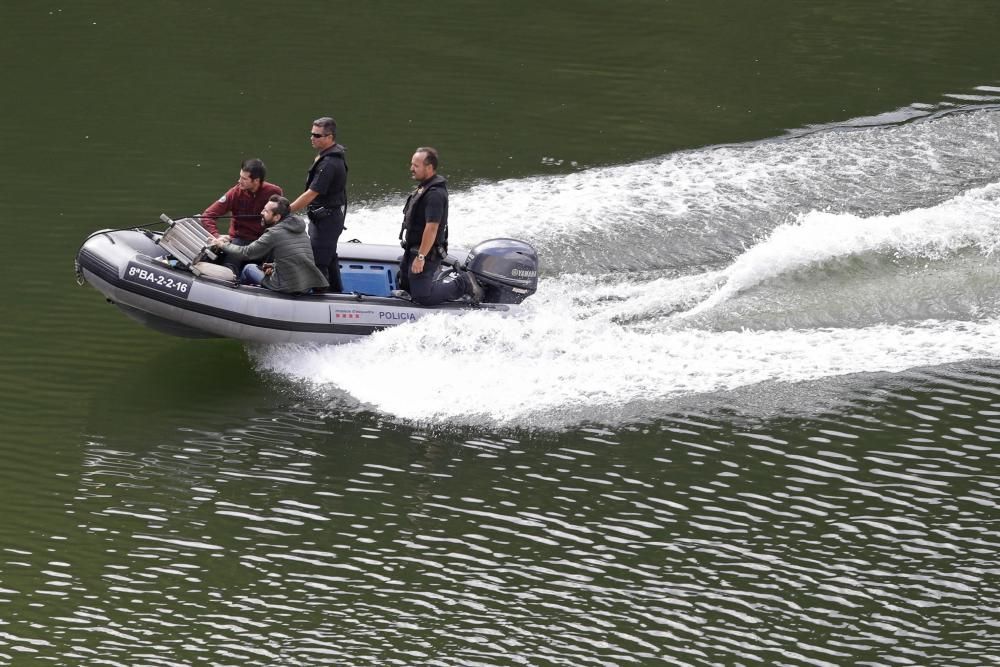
245,208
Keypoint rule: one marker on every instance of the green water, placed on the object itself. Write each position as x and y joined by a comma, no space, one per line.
175,502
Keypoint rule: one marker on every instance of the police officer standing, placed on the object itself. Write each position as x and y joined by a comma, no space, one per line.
325,199
424,237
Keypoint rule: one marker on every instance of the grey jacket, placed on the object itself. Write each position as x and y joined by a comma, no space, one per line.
294,268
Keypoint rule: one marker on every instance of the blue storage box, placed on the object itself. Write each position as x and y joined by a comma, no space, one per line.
373,278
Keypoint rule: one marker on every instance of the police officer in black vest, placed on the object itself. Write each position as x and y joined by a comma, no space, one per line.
325,199
424,238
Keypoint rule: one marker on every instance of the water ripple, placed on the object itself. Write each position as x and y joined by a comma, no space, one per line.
860,536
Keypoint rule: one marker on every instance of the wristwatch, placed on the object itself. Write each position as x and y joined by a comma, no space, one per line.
420,257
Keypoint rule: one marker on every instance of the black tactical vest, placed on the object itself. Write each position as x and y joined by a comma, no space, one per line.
414,218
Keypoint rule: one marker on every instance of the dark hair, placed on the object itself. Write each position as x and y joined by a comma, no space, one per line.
255,168
328,124
283,208
430,156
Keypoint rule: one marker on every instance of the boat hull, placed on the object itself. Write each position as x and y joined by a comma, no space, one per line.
124,266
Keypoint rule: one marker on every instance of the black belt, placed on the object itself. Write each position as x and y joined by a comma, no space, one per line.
434,254
323,212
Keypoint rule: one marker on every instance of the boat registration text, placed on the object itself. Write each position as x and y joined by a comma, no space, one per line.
161,281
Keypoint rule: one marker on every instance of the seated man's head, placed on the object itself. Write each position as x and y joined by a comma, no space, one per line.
276,209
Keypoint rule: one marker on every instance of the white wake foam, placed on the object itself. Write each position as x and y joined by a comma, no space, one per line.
508,371
727,189
969,221
586,343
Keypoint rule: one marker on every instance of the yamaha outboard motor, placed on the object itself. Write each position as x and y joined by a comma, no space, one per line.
507,269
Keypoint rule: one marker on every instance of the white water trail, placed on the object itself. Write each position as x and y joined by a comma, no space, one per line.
507,371
589,343
971,220
567,353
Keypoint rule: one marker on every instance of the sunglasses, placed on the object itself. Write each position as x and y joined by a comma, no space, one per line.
317,135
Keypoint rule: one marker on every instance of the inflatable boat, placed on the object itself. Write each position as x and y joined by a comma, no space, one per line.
166,280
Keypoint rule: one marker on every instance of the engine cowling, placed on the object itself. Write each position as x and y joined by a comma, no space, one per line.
506,268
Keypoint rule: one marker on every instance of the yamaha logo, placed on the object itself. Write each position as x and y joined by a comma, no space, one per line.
524,273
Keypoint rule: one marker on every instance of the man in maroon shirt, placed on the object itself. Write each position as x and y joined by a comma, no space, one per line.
244,201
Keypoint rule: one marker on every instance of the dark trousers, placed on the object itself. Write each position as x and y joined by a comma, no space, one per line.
423,287
324,233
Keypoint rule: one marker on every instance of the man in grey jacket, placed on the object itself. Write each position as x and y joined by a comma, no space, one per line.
292,269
